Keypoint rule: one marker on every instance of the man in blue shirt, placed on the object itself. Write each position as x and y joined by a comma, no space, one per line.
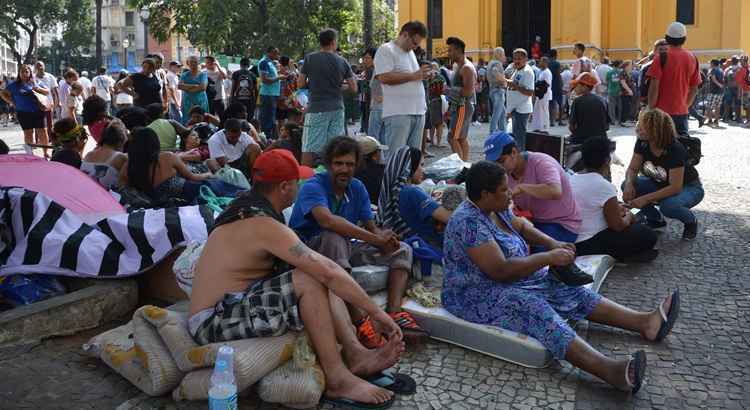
270,90
328,213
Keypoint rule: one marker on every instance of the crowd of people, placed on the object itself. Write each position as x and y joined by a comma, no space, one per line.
509,235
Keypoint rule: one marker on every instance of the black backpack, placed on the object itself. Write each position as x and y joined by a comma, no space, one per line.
211,89
693,147
540,88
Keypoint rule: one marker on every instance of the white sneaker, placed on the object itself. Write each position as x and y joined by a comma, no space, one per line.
476,123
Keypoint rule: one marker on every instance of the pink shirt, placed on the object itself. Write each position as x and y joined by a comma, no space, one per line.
543,169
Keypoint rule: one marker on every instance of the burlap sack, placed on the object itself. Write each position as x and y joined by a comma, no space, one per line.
299,383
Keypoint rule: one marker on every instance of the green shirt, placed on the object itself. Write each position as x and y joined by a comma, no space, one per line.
613,82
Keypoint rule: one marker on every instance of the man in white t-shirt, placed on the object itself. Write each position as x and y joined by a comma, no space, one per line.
520,91
69,77
104,87
85,83
233,147
48,81
216,74
601,71
540,117
404,103
174,94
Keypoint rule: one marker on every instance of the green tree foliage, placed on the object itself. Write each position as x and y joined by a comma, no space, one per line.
248,27
30,17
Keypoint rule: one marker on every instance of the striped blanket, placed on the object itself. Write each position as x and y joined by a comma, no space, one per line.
37,235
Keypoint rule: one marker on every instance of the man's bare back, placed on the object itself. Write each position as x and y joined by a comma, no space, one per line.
232,259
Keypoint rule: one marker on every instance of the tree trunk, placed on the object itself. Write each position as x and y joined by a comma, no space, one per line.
99,61
367,23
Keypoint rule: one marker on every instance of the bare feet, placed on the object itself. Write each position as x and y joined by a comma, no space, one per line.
655,320
353,388
365,362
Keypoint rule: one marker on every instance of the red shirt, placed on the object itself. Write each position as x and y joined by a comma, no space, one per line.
742,80
675,79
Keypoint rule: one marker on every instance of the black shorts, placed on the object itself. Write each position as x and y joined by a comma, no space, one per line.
31,120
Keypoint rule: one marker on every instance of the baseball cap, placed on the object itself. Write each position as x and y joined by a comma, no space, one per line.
368,144
585,79
279,165
677,30
495,143
175,62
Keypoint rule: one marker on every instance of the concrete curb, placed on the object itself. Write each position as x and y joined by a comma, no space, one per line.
99,302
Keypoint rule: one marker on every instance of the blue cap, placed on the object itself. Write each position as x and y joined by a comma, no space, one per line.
495,143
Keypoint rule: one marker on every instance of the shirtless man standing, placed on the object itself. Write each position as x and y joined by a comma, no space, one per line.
461,97
244,288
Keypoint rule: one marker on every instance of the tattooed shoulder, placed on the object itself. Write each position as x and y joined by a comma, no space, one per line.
299,250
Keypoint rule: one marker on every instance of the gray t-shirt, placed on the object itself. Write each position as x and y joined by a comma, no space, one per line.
493,68
325,72
376,91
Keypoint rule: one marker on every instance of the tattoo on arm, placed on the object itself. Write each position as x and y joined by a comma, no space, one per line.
300,250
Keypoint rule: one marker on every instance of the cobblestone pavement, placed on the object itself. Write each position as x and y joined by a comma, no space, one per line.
703,364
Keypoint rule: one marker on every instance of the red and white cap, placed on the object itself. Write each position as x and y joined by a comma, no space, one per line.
279,165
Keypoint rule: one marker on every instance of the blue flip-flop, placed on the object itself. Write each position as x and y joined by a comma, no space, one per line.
351,404
670,318
398,383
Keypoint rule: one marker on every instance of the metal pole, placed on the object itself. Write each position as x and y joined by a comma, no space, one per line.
429,29
145,37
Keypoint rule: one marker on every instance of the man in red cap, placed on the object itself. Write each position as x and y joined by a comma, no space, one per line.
244,286
588,114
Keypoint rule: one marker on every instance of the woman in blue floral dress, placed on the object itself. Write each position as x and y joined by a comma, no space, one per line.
490,278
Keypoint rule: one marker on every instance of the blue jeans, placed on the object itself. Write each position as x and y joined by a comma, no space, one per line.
554,231
676,206
375,125
519,129
497,120
175,113
680,124
402,130
268,115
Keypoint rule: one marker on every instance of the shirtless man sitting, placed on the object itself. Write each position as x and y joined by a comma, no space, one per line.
244,288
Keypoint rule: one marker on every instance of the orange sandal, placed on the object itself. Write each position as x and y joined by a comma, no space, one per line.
412,332
367,334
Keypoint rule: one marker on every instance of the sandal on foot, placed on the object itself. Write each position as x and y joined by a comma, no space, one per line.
670,318
638,360
398,383
344,403
368,336
409,326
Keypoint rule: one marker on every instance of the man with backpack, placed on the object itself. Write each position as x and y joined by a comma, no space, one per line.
674,78
243,87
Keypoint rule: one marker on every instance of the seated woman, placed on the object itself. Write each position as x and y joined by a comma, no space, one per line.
166,130
104,162
198,115
69,139
163,175
659,174
406,208
290,139
371,168
491,279
607,227
95,116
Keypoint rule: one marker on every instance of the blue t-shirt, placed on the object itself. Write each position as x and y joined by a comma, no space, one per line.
318,191
22,96
267,67
416,208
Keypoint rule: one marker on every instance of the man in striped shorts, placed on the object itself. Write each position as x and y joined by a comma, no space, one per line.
461,96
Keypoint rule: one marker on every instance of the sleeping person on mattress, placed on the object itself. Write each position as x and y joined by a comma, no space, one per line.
163,175
491,279
245,288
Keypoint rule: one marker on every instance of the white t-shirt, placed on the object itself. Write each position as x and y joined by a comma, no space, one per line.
86,83
601,72
103,83
63,90
546,76
515,101
591,192
219,84
172,82
403,99
219,147
49,82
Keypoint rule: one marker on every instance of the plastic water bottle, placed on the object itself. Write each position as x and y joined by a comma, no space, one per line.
223,392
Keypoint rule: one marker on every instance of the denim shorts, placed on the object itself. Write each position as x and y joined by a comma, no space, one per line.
321,127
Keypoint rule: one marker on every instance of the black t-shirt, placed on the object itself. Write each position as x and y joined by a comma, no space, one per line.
589,115
657,168
554,67
245,80
68,157
371,174
148,89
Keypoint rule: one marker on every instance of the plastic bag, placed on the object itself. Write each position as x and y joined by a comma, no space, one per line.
446,168
216,203
233,176
25,289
